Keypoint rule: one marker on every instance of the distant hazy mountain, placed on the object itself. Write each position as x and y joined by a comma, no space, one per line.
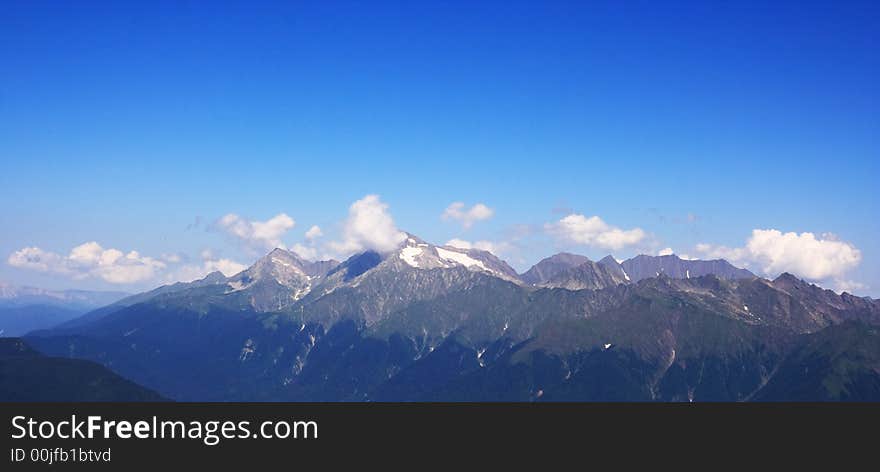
426,322
26,375
644,267
81,300
19,320
23,309
576,272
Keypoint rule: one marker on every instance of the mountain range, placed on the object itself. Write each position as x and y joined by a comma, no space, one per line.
24,309
440,323
11,295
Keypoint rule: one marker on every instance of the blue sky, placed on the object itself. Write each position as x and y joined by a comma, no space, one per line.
140,127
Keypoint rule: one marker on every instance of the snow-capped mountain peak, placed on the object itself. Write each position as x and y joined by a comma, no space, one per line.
418,254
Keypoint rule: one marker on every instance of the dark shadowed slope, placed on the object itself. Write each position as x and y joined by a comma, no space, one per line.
26,375
839,363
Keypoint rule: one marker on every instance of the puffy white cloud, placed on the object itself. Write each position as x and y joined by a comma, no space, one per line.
735,255
495,248
592,231
191,272
171,258
308,250
823,258
227,266
850,286
34,258
368,226
314,233
666,252
803,254
305,252
90,260
257,235
467,216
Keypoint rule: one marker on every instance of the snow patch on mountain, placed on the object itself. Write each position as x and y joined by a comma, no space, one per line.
235,286
409,254
460,258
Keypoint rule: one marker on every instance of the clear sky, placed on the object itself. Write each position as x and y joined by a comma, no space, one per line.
679,125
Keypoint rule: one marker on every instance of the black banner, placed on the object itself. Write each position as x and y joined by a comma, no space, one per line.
117,436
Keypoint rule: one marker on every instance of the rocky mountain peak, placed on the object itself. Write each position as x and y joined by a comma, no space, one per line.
614,267
644,266
552,266
789,282
282,265
214,277
589,275
609,259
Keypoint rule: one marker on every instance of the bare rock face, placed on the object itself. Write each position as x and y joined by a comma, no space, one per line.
552,266
643,267
278,280
589,275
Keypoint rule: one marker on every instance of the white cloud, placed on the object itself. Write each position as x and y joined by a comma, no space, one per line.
824,258
848,286
803,254
459,243
226,266
314,233
467,217
305,252
171,258
34,258
308,250
594,232
191,272
734,255
368,226
257,235
90,260
495,248
666,252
